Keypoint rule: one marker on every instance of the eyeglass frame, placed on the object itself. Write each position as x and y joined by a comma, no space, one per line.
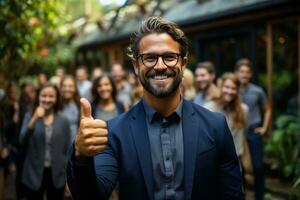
158,56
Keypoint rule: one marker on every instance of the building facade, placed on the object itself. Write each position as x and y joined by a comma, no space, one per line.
265,31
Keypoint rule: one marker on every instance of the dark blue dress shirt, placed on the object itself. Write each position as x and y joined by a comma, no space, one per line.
166,144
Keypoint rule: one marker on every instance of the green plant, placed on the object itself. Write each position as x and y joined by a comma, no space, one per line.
295,192
284,145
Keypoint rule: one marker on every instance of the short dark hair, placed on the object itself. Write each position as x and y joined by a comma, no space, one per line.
208,65
243,62
157,25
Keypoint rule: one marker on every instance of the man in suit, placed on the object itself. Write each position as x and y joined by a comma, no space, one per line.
164,147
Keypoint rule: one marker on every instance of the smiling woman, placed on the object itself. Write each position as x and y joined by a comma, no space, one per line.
46,135
229,103
70,103
105,105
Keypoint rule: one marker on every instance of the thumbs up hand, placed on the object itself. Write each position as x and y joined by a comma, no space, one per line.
92,136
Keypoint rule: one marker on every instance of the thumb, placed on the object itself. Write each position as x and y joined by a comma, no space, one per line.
86,109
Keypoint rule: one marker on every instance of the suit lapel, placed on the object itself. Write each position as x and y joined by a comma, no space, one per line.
190,140
140,136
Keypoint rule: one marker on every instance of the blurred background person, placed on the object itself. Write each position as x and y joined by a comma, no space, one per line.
137,93
258,120
230,104
59,75
9,129
188,85
83,84
10,110
42,79
70,109
27,97
124,89
105,105
70,103
205,76
96,72
47,135
132,79
137,88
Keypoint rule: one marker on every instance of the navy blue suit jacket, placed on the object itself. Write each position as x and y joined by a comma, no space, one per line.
211,167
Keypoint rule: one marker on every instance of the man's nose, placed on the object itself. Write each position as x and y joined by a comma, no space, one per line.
160,65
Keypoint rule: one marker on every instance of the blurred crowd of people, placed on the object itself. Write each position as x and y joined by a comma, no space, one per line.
39,122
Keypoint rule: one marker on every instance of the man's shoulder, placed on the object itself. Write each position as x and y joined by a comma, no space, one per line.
255,88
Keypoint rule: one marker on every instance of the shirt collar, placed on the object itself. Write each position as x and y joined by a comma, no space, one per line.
151,113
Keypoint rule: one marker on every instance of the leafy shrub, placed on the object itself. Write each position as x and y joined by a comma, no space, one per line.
284,146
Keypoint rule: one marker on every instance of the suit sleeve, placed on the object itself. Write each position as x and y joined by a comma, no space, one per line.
94,177
229,172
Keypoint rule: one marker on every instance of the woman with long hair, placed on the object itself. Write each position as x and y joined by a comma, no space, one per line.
105,105
229,103
47,136
70,103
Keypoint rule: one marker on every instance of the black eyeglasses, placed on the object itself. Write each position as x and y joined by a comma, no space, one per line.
169,59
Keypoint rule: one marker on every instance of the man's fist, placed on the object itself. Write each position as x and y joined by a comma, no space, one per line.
92,136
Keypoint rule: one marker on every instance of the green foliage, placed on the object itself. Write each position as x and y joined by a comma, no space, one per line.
284,146
295,192
21,29
31,34
280,79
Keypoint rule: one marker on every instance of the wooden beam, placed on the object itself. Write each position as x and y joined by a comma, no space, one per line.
270,69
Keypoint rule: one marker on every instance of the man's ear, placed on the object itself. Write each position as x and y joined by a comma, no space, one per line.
184,62
135,66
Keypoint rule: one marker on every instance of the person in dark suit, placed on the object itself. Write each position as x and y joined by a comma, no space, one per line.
164,147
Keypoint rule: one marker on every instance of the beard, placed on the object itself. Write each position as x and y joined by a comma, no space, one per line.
161,91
